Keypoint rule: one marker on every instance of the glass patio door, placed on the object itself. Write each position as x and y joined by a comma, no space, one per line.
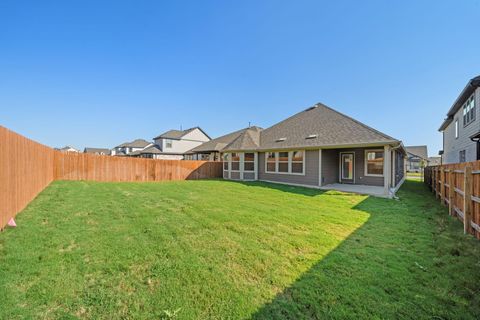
347,167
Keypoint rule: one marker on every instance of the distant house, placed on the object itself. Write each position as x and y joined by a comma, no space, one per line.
151,152
173,144
211,150
321,148
68,149
434,161
129,147
461,130
97,151
417,158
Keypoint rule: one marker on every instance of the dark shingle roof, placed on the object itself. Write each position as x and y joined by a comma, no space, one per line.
419,151
249,139
97,151
219,143
137,143
178,134
324,126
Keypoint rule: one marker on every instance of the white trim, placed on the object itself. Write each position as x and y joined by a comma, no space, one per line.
340,169
395,189
255,163
319,167
386,168
366,151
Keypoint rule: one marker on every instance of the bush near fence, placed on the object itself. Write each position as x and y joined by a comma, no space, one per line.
27,167
457,186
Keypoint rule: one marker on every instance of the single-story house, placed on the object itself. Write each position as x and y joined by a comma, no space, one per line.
417,158
320,148
210,150
129,147
68,149
152,152
97,151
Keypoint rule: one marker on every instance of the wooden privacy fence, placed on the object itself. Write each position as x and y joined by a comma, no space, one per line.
27,167
81,166
457,186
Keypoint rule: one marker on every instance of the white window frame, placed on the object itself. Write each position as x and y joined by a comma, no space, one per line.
456,128
290,156
340,169
167,142
366,163
239,161
227,161
253,161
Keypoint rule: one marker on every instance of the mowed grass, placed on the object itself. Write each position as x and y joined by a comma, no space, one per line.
219,249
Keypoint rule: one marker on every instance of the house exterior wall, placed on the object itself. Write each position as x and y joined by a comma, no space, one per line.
310,177
331,167
452,146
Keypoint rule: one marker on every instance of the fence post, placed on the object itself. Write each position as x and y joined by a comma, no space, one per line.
442,186
467,200
437,181
450,191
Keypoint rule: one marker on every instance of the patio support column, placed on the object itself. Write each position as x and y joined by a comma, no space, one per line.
319,167
242,164
229,165
387,171
255,164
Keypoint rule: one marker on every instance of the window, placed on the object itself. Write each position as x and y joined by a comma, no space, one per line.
271,156
168,143
462,156
287,162
469,111
235,161
225,161
297,162
283,162
249,162
456,129
374,163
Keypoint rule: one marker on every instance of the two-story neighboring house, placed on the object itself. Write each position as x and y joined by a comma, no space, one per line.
175,143
461,128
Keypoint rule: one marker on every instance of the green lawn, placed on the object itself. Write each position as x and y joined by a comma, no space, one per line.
218,249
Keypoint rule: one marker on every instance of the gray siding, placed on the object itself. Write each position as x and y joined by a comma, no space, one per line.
311,171
453,146
331,167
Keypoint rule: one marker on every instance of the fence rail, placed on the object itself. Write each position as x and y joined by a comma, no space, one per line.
457,186
27,167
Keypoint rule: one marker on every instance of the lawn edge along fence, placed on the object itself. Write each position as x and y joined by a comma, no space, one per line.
457,186
27,167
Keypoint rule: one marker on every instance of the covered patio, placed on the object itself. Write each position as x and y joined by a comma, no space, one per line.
357,188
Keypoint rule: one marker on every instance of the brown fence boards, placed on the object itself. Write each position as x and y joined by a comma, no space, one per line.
27,167
81,166
458,187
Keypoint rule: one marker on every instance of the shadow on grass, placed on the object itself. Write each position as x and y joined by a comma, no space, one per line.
311,192
402,263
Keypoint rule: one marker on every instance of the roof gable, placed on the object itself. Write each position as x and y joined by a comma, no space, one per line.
419,151
178,134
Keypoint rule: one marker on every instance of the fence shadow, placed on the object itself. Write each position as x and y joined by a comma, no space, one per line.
379,271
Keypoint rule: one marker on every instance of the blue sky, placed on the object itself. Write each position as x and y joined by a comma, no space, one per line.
103,72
